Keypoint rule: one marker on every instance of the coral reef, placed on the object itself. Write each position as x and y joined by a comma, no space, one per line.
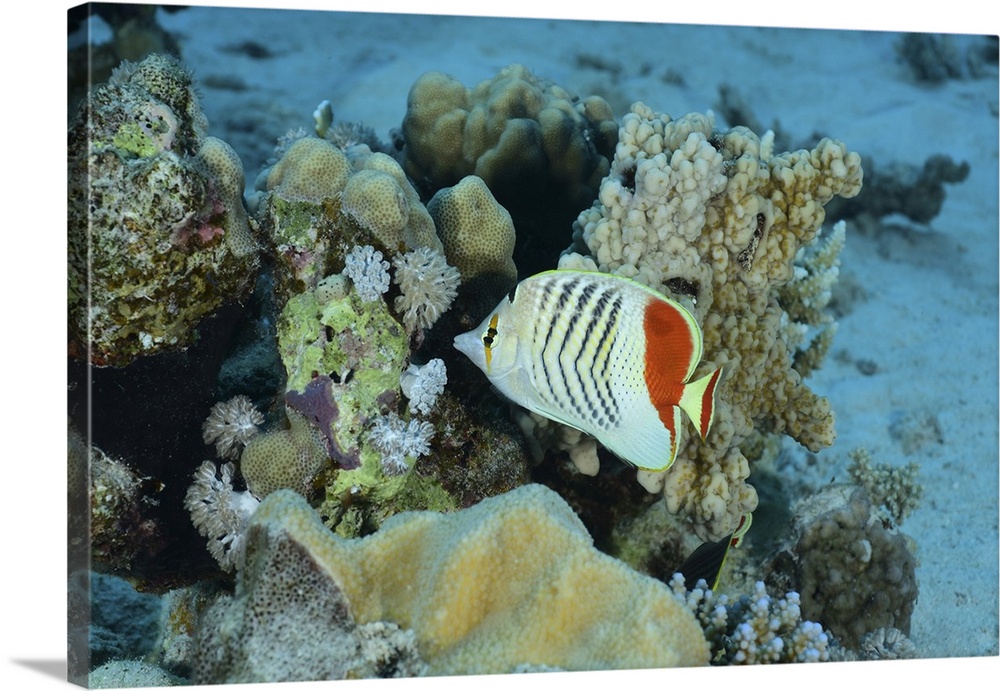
715,220
855,571
158,236
512,581
357,349
894,488
754,628
541,150
290,621
315,204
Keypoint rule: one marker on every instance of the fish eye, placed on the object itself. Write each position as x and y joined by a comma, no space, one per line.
491,331
488,339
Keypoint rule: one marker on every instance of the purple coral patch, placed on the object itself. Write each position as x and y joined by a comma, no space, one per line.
317,404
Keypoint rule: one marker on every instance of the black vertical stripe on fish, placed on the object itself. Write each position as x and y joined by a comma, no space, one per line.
601,388
544,308
564,371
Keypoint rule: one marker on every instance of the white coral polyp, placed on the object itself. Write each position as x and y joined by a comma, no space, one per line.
220,513
397,440
427,284
230,425
368,271
422,384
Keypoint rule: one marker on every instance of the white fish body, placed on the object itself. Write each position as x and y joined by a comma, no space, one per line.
602,354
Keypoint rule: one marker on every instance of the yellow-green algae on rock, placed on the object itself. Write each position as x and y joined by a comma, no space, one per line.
514,580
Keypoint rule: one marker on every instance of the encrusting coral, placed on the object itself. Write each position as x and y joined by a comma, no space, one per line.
715,220
514,580
158,236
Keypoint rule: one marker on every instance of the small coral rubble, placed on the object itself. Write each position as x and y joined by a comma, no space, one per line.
716,219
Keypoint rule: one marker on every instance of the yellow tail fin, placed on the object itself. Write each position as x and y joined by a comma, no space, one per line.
698,401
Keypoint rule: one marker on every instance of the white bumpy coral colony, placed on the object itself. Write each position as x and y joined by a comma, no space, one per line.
397,440
368,271
422,384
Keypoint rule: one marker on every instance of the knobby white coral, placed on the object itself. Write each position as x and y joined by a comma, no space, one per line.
422,384
220,513
427,284
397,440
368,271
754,629
230,425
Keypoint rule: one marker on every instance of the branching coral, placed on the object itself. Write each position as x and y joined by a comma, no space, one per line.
715,220
230,425
809,328
755,628
894,488
220,513
854,570
427,284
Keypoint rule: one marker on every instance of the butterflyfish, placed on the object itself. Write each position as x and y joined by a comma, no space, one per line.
600,353
708,559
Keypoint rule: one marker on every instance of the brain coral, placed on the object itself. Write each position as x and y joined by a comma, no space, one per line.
158,237
715,219
541,150
514,580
